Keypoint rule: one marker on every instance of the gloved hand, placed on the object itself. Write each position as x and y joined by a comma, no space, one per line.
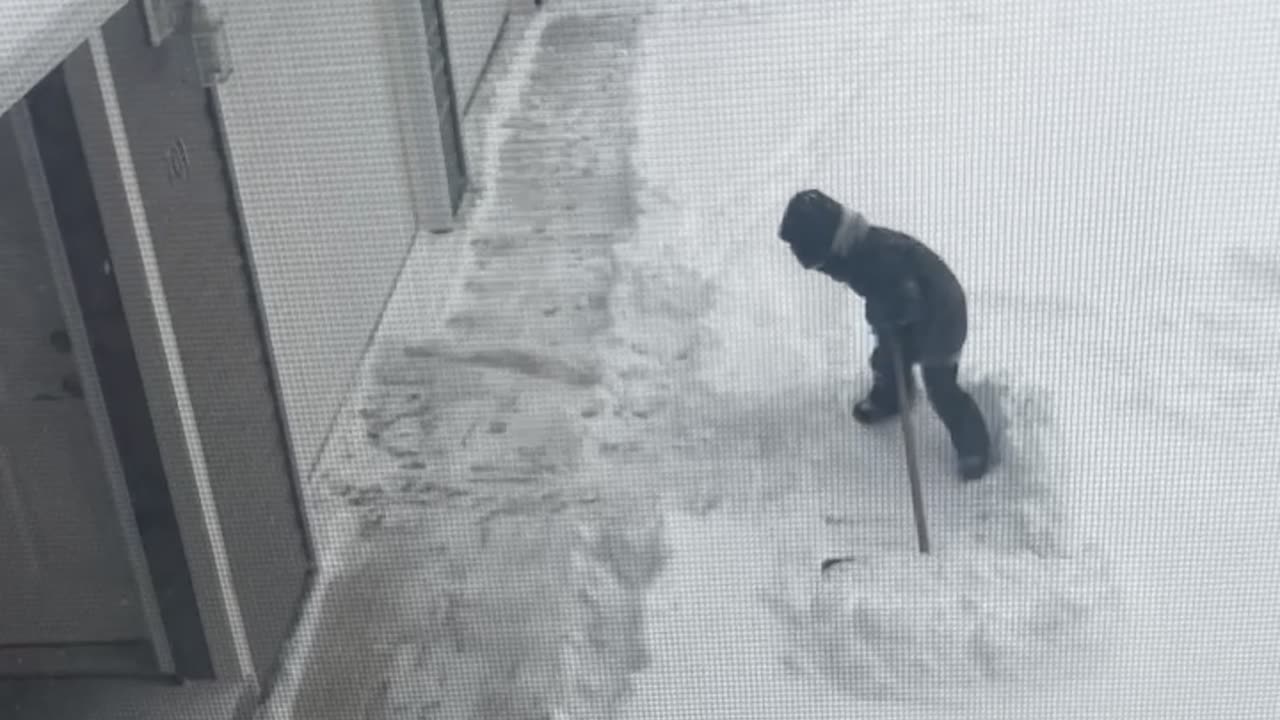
898,309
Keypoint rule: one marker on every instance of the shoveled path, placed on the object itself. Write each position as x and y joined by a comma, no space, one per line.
493,579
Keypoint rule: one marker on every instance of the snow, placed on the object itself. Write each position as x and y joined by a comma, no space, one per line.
35,35
418,306
1102,179
1101,176
416,310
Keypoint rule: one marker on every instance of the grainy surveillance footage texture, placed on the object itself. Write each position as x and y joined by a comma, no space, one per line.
604,437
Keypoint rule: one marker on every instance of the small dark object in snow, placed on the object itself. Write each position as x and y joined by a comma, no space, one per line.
911,297
829,562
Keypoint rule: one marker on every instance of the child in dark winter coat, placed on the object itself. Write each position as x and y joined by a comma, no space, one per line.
912,296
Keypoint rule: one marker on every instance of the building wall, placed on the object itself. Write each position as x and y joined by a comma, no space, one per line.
329,118
314,129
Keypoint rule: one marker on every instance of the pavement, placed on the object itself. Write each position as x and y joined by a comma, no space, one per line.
496,573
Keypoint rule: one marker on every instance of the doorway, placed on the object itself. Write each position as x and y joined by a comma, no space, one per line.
447,110
210,292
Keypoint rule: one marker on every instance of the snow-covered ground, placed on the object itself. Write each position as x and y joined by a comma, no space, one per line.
1102,176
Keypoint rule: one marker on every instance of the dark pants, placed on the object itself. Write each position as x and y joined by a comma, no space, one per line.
955,407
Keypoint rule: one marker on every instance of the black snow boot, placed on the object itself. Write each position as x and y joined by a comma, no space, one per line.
867,412
972,443
882,402
975,466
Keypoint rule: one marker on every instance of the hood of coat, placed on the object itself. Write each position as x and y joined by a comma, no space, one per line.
818,228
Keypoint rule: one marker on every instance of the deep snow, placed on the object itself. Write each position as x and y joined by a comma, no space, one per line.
1101,177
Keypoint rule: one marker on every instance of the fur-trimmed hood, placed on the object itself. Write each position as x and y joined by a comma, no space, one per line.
853,229
817,226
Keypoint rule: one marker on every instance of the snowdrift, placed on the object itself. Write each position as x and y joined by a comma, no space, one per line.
1008,593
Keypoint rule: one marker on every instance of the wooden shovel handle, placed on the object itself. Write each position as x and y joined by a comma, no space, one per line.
901,374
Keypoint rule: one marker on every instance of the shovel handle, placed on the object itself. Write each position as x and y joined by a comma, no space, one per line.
909,441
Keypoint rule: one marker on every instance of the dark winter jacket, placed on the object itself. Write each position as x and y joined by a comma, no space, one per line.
904,283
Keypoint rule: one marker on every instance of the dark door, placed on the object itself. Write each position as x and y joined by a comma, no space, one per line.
70,598
64,141
176,146
447,111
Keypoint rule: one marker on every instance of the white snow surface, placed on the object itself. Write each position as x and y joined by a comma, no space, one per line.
35,35
1102,176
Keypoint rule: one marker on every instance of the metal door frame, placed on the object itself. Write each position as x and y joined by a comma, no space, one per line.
270,607
157,342
86,81
92,90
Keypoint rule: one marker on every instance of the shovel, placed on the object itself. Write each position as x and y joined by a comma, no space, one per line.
909,443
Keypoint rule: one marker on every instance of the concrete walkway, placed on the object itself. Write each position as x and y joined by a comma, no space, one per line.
495,577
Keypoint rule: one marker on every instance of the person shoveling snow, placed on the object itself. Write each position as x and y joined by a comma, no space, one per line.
886,624
914,304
